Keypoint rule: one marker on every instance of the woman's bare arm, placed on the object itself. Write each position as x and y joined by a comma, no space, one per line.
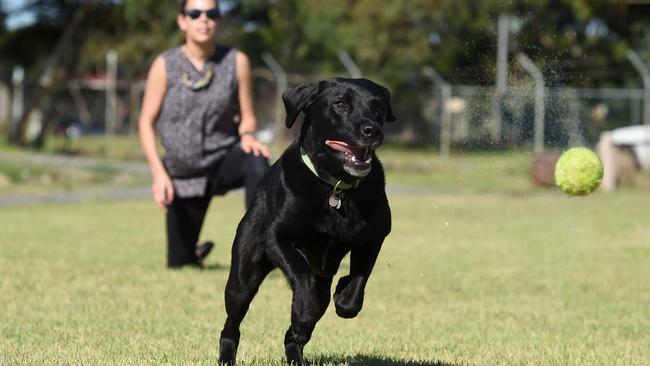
154,94
248,123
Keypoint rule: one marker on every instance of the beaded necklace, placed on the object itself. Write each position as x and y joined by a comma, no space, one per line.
198,84
201,83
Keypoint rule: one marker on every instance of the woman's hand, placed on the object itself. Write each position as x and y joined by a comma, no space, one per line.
163,190
250,145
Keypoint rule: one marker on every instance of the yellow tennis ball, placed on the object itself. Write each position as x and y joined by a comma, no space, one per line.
579,171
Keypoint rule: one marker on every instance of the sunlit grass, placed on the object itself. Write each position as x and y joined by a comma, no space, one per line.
463,279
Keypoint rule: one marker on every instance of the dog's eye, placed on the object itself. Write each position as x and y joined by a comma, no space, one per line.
340,104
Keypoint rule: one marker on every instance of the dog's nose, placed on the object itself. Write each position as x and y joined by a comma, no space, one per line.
370,129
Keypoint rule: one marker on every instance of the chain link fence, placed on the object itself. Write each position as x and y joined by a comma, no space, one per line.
572,116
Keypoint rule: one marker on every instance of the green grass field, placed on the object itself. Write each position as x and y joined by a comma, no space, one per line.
477,271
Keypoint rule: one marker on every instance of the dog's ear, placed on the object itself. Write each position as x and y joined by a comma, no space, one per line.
297,100
390,117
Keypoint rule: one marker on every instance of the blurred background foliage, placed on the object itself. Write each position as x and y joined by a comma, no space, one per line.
580,40
575,43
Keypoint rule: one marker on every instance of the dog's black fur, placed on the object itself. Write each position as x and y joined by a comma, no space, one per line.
291,226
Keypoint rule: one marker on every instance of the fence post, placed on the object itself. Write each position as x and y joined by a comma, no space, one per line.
642,69
349,64
110,114
445,119
17,78
136,90
534,72
281,85
5,102
503,28
570,120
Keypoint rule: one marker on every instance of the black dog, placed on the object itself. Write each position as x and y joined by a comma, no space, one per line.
322,199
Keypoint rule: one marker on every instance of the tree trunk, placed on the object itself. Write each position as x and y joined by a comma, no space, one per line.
46,84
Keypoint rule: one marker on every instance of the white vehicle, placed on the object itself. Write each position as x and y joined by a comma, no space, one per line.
637,138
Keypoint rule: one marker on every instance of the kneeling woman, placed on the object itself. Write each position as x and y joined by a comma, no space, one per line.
193,96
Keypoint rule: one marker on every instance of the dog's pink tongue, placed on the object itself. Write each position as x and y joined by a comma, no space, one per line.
344,147
339,146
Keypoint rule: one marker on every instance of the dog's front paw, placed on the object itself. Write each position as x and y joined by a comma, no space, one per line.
227,352
294,354
348,297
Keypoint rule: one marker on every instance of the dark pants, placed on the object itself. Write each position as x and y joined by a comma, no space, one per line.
185,215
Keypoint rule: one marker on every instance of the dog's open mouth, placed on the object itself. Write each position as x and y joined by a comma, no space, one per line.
357,154
356,159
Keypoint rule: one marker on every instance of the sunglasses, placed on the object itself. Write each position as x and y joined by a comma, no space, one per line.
213,13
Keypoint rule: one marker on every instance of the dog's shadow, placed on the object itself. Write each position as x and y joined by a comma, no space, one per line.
369,360
216,267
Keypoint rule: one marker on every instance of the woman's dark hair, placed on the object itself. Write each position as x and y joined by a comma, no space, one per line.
183,3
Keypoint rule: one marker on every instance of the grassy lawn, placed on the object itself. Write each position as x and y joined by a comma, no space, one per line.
467,277
98,164
102,160
482,268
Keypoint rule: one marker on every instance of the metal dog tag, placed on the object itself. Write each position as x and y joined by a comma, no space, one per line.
335,201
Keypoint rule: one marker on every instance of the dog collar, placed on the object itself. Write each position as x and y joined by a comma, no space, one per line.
337,184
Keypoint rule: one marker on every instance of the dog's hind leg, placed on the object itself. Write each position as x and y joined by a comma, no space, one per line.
311,296
248,270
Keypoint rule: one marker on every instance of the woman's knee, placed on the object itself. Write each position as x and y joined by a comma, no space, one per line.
256,165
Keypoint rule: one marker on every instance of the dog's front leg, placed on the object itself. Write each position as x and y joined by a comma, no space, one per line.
311,296
348,296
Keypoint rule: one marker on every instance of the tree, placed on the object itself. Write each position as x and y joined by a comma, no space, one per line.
66,18
59,66
576,42
3,19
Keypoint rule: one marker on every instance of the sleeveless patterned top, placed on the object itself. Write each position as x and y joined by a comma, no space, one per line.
196,125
